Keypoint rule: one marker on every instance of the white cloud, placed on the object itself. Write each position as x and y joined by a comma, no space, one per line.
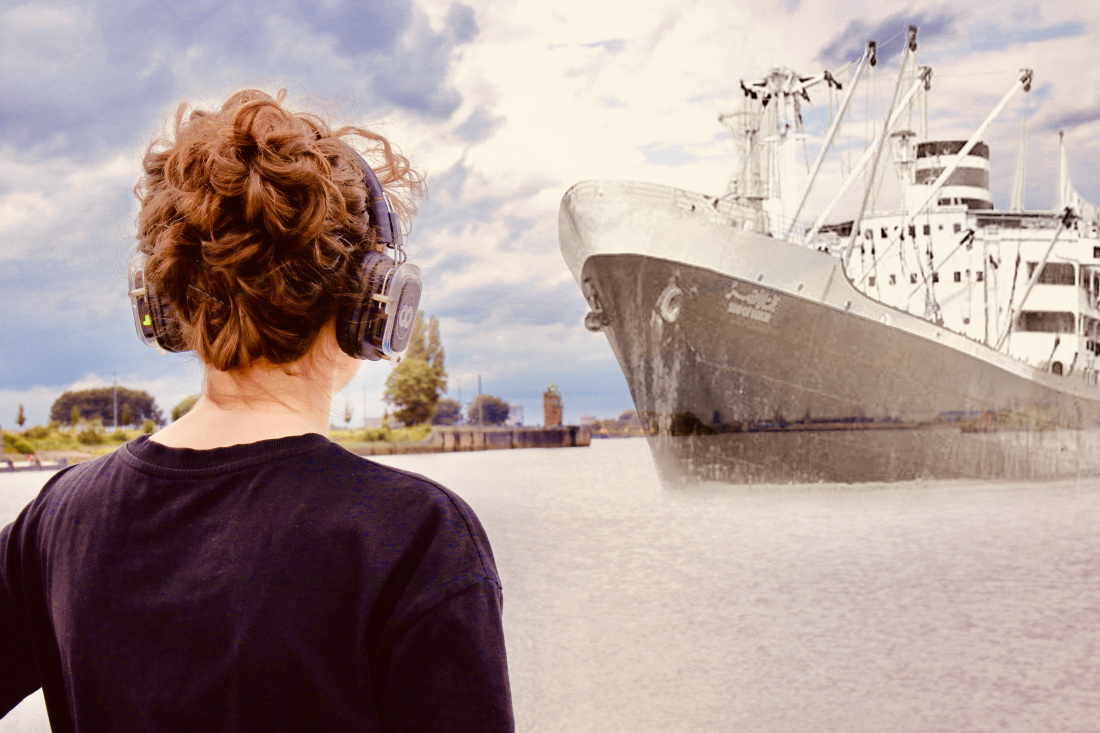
51,209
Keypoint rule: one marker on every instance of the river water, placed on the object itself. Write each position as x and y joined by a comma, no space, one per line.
929,606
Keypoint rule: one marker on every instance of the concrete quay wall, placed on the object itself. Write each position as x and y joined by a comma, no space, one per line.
460,438
467,438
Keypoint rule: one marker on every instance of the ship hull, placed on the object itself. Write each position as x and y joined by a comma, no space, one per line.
753,360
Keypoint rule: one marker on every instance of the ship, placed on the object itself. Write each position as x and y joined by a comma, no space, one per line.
927,335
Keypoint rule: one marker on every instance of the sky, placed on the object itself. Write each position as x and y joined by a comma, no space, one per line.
503,104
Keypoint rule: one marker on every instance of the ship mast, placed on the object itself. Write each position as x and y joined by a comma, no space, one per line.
770,119
923,81
909,53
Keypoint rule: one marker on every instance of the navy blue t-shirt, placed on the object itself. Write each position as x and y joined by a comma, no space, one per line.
280,585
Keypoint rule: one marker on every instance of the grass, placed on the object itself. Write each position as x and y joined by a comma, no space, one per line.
353,439
85,437
91,438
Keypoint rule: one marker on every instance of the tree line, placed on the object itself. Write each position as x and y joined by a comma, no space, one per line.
134,407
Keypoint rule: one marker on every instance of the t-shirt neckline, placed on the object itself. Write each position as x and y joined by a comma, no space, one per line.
152,457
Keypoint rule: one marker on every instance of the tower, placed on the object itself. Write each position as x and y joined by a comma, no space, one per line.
551,406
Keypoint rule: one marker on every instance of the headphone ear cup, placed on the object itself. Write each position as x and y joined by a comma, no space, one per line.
153,318
361,329
169,335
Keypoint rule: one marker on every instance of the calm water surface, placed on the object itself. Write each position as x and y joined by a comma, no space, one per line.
914,607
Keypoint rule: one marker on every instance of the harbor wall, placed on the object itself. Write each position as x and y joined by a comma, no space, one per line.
440,440
472,438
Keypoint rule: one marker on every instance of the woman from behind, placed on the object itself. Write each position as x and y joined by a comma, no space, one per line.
237,570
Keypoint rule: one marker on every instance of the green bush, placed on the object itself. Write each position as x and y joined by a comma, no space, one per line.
36,432
413,432
22,446
148,426
376,434
91,433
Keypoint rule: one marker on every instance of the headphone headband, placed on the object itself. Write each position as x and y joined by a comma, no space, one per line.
383,218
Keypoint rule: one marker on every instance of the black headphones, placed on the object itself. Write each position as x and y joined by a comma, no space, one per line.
379,324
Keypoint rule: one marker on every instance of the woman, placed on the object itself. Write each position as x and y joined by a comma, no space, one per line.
236,570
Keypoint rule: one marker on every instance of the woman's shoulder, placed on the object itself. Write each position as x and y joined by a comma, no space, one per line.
421,526
409,495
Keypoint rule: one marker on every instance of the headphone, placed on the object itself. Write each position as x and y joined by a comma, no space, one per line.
377,326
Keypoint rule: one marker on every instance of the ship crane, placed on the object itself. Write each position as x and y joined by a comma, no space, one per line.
789,89
772,109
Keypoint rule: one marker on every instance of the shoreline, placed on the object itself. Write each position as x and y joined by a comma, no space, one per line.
441,439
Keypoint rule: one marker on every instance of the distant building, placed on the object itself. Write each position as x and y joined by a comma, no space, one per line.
588,420
551,406
515,414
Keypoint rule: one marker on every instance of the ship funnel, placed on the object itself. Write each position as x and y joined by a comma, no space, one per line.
967,186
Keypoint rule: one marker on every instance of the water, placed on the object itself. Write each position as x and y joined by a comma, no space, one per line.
912,607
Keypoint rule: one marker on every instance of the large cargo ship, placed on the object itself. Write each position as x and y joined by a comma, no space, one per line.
929,336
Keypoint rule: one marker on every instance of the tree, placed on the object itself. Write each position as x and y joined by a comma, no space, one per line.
434,348
488,410
20,418
412,390
127,417
98,404
447,412
349,411
184,406
415,384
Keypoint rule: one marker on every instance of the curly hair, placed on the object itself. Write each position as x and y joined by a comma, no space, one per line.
253,218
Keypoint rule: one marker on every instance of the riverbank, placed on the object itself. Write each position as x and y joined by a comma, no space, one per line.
440,439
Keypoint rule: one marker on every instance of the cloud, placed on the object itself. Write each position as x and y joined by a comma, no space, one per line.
667,155
890,33
525,305
994,36
81,78
1074,118
462,23
65,90
479,126
63,322
613,46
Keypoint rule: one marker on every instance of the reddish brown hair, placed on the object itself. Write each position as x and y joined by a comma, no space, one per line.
253,220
